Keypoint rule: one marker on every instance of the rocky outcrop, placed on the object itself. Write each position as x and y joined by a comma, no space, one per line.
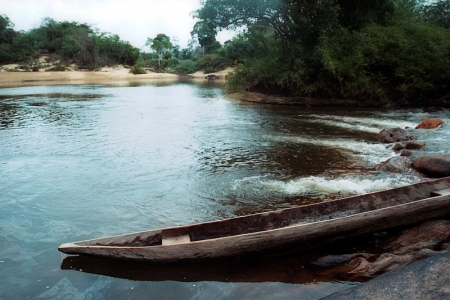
426,240
393,135
396,164
436,166
430,124
428,279
430,235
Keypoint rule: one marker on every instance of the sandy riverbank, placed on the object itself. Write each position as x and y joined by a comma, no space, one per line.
114,75
108,75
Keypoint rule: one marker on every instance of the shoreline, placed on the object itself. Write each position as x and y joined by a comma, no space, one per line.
17,79
109,75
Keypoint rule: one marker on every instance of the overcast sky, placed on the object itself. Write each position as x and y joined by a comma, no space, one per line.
132,20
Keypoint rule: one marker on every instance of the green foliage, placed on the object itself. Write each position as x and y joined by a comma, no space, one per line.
57,68
383,51
160,44
137,69
436,12
186,67
211,63
74,42
405,63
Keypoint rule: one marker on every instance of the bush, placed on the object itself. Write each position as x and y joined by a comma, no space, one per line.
57,68
137,69
211,63
186,67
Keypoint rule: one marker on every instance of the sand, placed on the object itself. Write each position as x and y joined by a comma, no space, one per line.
116,75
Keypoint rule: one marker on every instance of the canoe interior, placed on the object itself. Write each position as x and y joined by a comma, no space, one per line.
278,219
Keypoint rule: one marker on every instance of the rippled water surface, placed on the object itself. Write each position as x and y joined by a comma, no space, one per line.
86,161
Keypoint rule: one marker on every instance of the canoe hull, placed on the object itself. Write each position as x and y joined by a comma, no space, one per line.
296,236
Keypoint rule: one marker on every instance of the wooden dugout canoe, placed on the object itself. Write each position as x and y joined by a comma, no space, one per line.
298,228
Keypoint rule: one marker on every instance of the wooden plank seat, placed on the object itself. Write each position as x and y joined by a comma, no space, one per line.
442,192
175,236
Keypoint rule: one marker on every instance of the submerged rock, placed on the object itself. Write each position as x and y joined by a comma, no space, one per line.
433,166
396,164
430,124
393,135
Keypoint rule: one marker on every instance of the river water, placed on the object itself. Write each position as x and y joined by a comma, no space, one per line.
85,161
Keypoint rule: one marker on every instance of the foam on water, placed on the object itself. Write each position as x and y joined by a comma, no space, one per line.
323,186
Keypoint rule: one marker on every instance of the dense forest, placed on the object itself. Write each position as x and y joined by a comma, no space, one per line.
382,51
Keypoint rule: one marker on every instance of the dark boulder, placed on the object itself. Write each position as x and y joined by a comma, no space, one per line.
396,164
414,145
398,147
435,166
406,153
430,124
393,135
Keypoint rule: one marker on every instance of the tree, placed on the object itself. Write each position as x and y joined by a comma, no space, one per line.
7,32
160,44
377,50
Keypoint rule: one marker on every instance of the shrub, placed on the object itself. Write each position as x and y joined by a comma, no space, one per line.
137,69
57,68
211,63
186,66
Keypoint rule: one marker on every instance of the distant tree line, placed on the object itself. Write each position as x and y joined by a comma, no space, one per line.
73,42
383,51
89,48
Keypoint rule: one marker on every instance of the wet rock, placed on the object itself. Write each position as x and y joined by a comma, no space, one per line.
430,124
398,147
393,135
430,235
387,261
425,280
414,145
433,166
338,260
425,240
406,153
396,164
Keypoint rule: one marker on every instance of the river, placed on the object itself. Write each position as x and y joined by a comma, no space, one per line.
86,161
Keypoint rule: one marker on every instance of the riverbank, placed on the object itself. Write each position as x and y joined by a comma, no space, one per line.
71,76
117,75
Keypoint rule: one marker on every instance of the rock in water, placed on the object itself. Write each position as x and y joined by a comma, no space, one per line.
430,124
393,135
396,164
414,145
436,166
